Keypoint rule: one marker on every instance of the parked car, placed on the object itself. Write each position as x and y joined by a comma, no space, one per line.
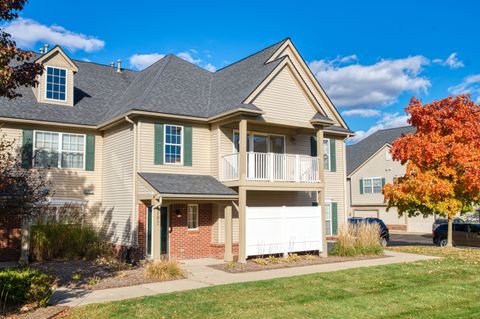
464,234
440,221
384,232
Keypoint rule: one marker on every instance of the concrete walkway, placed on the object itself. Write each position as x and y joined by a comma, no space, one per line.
200,276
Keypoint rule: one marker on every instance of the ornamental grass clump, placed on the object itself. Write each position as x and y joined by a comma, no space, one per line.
362,239
164,270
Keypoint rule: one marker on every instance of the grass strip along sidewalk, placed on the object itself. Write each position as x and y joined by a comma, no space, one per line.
440,288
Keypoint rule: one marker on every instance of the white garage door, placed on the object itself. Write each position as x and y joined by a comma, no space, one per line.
276,230
419,224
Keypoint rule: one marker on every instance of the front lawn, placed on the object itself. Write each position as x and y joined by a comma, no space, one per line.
443,288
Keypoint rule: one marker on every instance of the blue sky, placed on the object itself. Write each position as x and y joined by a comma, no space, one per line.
370,56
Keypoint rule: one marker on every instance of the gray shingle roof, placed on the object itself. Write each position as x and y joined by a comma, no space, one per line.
171,85
186,184
358,153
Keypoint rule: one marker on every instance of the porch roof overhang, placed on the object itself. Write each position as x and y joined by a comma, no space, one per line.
186,186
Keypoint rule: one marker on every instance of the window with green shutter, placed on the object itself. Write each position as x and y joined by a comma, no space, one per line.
27,148
187,145
158,144
90,153
334,219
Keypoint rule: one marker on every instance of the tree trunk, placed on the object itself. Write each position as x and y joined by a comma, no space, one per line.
450,232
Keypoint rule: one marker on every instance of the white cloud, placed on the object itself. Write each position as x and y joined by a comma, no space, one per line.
379,84
188,57
142,61
362,113
452,62
27,33
389,120
470,85
210,67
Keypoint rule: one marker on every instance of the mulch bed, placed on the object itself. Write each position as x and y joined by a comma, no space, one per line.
236,267
82,274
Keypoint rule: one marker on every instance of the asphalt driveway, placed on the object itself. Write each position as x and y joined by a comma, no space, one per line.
410,240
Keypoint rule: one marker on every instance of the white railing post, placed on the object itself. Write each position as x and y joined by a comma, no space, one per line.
271,168
297,168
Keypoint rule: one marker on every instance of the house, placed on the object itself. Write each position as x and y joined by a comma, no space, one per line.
170,160
369,167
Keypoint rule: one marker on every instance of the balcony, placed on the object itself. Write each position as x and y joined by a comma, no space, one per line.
271,167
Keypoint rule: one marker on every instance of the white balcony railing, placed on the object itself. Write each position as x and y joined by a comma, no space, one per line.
272,167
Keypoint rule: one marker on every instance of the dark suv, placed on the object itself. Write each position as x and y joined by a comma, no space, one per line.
384,232
440,221
464,234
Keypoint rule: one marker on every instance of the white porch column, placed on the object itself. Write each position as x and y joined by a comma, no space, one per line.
25,244
242,221
321,193
243,149
228,233
157,205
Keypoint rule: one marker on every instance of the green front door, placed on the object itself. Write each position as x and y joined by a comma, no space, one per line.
164,231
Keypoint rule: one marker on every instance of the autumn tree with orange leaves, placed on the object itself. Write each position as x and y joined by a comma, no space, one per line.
443,160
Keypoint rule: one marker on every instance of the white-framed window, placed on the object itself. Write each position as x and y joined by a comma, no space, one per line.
62,150
328,217
388,155
326,154
173,152
372,185
192,216
56,84
261,142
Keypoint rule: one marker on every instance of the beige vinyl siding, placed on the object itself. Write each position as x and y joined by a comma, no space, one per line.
284,99
201,153
311,86
215,150
218,228
118,184
335,182
377,166
56,60
68,184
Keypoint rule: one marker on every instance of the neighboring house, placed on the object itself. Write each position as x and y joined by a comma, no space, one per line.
168,160
369,167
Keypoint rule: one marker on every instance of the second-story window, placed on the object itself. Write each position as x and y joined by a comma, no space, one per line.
63,150
372,185
173,144
56,84
326,154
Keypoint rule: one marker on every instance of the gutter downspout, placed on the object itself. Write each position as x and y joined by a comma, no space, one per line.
133,240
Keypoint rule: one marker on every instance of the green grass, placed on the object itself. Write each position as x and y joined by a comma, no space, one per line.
443,288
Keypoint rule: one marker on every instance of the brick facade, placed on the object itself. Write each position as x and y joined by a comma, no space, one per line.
142,229
184,243
10,237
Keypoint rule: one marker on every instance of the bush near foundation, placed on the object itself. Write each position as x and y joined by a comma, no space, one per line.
24,286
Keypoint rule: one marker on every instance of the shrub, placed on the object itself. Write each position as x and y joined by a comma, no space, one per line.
357,240
21,286
59,240
164,270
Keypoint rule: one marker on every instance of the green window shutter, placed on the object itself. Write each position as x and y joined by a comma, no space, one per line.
90,153
313,146
27,148
158,144
383,182
333,156
187,146
334,218
361,186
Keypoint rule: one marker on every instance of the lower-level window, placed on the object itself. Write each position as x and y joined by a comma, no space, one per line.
328,218
192,216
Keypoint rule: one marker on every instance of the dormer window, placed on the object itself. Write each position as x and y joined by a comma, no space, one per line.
56,84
